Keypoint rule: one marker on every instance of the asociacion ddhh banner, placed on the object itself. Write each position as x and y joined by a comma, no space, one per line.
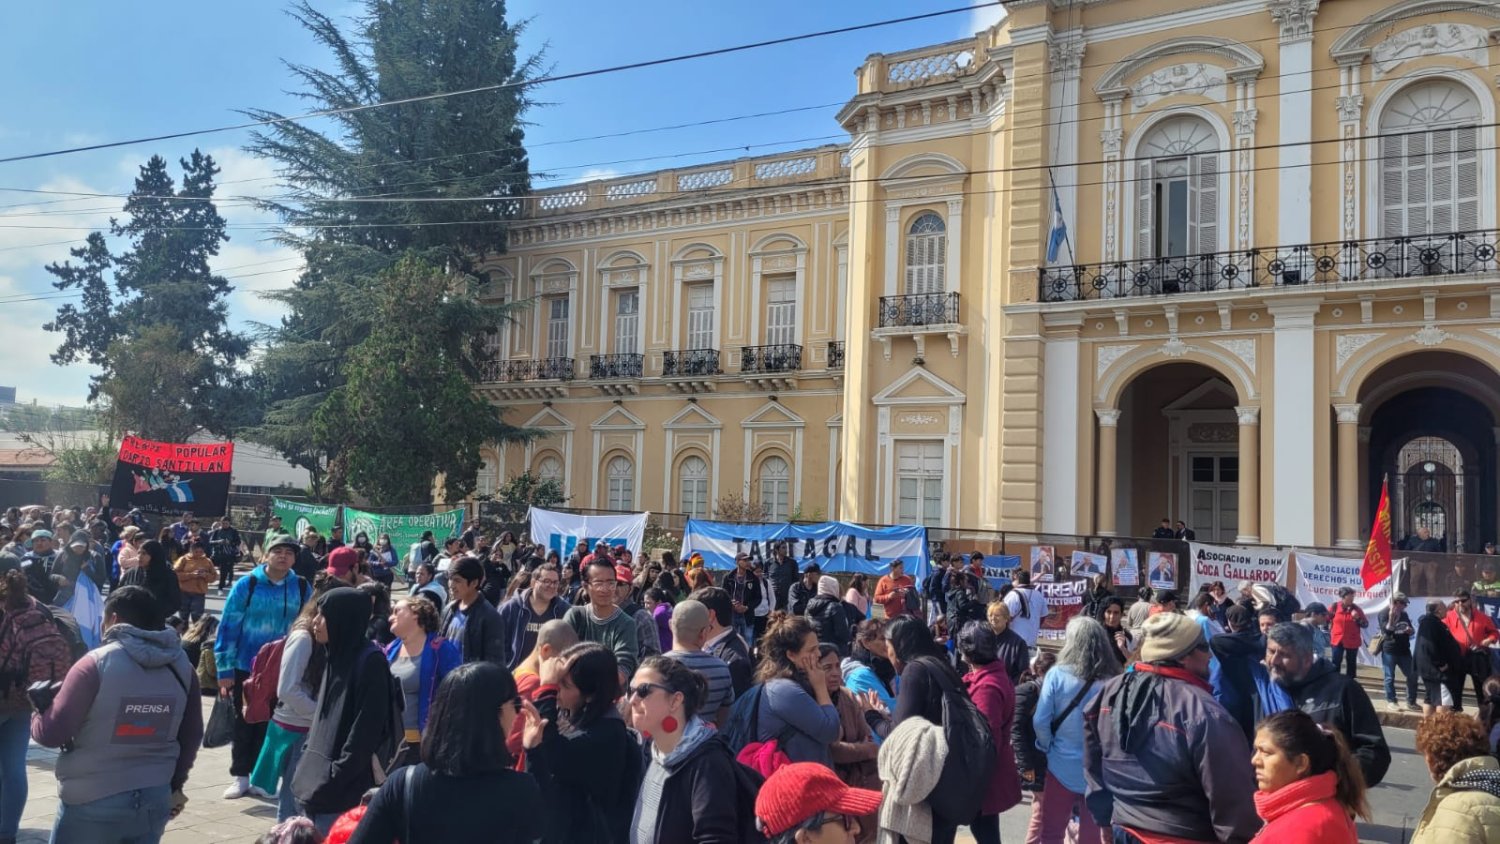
834,546
297,517
1320,578
562,532
404,530
1232,564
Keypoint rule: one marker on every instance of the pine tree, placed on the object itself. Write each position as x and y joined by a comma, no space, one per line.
404,159
154,318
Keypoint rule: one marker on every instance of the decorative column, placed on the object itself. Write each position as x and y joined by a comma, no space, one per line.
1295,117
1061,423
1245,116
1109,428
1347,529
1111,142
1351,105
1294,461
1249,442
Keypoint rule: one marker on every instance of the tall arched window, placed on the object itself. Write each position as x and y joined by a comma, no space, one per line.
1429,161
926,254
550,468
1177,190
775,488
620,491
489,475
692,478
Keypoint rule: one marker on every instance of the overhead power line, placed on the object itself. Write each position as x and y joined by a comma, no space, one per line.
502,86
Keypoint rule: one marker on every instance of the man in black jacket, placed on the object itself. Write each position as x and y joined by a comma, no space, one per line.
744,595
1395,652
782,573
1332,699
1438,660
469,620
721,640
803,590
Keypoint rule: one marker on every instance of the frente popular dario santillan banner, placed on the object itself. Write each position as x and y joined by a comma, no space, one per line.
175,477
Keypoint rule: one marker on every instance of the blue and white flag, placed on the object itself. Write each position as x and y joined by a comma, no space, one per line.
834,546
1059,228
87,606
562,532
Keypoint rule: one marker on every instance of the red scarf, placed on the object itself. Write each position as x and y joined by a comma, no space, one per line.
1176,674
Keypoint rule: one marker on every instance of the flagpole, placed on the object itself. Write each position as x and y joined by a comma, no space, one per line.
1057,201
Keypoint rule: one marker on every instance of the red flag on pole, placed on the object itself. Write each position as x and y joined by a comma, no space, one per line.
1377,564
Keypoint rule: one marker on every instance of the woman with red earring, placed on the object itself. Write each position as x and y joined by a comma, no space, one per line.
688,792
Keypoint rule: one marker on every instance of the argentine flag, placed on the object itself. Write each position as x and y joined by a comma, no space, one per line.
1059,228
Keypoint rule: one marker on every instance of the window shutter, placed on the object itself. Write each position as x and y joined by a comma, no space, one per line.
1206,195
1440,182
1466,177
1393,185
1417,175
1144,247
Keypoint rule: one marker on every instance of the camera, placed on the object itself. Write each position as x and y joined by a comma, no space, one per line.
42,692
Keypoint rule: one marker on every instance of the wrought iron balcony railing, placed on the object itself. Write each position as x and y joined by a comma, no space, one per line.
918,309
602,367
1318,263
786,357
690,362
836,354
546,369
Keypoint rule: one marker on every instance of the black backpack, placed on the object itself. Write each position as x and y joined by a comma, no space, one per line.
971,751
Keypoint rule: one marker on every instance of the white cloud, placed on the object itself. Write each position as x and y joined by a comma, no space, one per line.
595,173
982,19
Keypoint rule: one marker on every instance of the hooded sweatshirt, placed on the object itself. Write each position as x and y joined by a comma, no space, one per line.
1338,702
353,714
688,794
519,624
128,715
70,564
254,616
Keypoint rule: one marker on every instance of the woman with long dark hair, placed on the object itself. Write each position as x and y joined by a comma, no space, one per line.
353,711
795,706
1311,786
990,688
581,754
154,572
868,667
925,673
464,790
689,788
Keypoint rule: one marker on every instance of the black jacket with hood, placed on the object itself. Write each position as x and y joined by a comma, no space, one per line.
1237,654
1337,701
699,797
1438,656
158,578
830,622
484,636
354,711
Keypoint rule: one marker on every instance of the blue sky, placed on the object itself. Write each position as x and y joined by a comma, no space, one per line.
84,72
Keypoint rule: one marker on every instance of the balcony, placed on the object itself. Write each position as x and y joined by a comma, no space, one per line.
522,379
616,369
691,370
836,354
1376,259
771,367
918,316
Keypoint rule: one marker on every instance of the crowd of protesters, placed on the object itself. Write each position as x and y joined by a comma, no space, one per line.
516,694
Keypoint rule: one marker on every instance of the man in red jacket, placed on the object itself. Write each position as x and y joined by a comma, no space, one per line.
1475,632
1344,631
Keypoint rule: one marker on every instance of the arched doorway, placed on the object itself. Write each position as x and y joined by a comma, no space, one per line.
1178,454
1428,424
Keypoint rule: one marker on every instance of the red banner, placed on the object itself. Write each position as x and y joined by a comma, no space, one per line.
173,477
177,457
1377,564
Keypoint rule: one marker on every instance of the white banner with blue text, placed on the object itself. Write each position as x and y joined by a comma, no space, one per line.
837,547
562,532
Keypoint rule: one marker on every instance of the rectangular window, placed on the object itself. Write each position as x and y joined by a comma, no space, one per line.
557,327
621,494
781,312
627,322
700,317
695,497
919,482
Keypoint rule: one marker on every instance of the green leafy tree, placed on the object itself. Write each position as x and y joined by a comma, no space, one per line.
375,188
528,490
407,410
153,318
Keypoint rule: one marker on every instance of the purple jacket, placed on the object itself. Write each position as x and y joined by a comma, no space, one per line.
663,616
991,690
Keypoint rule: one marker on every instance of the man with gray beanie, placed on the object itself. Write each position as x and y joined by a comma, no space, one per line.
1162,758
690,626
1335,701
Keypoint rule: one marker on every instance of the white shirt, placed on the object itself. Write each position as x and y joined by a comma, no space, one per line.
1036,607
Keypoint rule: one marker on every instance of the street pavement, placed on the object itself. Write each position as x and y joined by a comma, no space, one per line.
1397,803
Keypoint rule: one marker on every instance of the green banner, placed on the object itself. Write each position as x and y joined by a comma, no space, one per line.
297,517
404,530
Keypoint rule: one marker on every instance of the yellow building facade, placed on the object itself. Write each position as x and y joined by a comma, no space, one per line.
1279,285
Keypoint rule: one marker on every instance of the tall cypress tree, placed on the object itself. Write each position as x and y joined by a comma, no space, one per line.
367,192
154,317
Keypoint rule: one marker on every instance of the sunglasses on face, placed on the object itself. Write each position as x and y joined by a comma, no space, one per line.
821,820
643,690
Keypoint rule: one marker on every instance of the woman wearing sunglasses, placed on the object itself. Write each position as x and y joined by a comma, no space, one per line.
465,780
688,792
